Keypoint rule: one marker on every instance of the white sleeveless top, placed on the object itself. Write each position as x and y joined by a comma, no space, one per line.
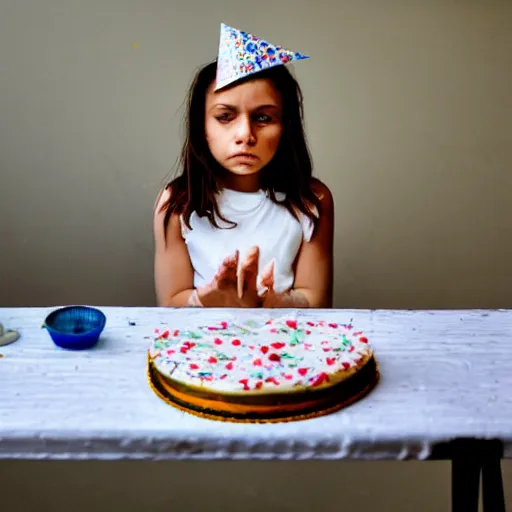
260,222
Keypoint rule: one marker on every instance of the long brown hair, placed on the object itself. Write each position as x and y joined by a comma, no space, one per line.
290,171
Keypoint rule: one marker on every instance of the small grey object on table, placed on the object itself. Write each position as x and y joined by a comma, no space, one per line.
8,337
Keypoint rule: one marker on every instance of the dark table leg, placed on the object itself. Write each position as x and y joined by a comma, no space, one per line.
470,458
465,483
493,495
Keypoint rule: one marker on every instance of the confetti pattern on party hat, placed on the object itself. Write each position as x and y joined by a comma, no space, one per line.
242,54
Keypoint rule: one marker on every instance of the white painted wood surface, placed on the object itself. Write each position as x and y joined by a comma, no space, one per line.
445,374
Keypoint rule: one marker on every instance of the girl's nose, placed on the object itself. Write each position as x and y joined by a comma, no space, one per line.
244,132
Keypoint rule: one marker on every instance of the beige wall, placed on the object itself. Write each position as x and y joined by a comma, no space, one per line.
409,114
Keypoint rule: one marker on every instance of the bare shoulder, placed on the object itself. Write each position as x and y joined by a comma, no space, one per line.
323,193
159,211
161,200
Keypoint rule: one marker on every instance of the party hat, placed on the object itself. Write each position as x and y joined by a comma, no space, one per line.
242,54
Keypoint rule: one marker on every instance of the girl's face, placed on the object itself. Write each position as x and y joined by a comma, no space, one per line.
243,125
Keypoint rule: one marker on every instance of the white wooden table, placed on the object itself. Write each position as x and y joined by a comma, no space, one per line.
445,392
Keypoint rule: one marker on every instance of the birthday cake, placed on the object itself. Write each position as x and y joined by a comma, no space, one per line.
261,370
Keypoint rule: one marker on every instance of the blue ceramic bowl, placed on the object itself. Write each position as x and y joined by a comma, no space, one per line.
75,327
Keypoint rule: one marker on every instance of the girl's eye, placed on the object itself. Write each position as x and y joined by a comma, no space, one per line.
263,118
223,118
259,118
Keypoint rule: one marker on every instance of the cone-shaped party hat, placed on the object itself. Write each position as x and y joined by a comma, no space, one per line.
242,54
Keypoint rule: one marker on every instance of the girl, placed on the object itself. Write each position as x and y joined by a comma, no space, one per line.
245,224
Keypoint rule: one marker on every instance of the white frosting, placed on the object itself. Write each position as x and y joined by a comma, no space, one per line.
283,355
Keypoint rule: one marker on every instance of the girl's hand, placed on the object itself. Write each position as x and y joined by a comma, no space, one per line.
231,287
273,299
270,297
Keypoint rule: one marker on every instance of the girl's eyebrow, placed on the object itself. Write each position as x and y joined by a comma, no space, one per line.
233,108
270,105
224,105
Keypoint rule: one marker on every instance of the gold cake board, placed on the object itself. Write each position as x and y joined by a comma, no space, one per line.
361,393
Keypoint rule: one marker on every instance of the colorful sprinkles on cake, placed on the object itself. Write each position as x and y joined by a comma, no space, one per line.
279,354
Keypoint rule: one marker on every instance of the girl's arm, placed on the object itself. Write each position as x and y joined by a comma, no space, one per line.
313,285
173,272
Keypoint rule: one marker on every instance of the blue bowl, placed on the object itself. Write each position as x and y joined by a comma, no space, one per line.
75,327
